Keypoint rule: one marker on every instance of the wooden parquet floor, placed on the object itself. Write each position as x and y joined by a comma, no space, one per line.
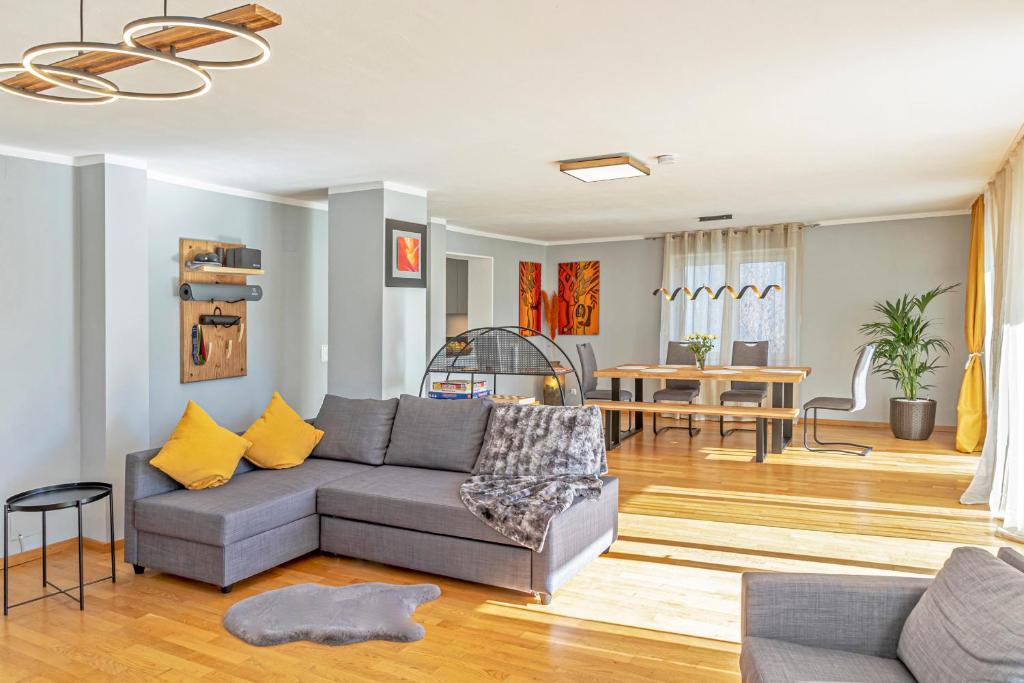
663,605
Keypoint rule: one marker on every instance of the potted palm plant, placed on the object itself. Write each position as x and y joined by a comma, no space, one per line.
906,352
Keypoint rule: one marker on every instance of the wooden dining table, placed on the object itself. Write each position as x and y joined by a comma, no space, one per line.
781,379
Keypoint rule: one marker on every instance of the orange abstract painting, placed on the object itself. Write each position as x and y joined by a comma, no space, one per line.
579,297
408,256
529,296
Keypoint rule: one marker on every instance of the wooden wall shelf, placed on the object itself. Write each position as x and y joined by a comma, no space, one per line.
228,347
227,271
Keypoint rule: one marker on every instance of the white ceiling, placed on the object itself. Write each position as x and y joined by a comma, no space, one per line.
785,110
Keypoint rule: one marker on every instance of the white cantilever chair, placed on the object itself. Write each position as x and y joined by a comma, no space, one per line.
846,405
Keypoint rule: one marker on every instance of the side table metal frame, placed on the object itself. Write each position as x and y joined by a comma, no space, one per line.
10,505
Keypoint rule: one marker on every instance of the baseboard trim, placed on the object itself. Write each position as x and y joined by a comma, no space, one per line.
61,546
883,425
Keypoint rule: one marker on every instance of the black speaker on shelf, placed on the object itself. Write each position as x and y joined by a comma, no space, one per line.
243,257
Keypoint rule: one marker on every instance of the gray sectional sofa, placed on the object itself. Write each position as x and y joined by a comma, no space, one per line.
382,485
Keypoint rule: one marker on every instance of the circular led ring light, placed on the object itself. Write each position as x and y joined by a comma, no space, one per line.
37,70
103,83
132,30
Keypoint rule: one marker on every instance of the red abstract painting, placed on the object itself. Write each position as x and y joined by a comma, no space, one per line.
407,257
579,297
529,296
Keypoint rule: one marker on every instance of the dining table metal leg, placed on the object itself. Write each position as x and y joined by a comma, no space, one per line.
787,425
778,389
638,396
616,436
760,439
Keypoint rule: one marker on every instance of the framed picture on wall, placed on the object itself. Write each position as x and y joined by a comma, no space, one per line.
405,254
579,297
529,296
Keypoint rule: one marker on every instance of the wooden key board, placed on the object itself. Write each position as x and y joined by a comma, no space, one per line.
226,345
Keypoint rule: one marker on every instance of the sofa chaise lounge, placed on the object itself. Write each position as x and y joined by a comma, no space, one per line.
382,485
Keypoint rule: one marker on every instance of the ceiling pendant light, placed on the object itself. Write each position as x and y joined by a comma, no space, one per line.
80,72
604,168
67,75
132,31
38,51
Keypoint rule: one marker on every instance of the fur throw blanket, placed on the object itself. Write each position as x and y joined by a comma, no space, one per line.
535,461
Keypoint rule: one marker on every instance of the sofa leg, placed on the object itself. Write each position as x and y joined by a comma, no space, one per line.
544,598
226,589
138,568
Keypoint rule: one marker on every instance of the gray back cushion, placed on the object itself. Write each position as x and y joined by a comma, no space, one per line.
437,434
1006,554
969,624
355,429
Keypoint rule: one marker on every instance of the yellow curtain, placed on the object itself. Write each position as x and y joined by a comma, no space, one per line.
970,409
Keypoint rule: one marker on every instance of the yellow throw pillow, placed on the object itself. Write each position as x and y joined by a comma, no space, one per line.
280,437
200,453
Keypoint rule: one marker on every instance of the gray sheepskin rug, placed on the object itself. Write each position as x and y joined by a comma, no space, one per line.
331,615
535,461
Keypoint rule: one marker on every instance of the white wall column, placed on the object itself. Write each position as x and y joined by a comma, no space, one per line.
437,236
377,335
114,290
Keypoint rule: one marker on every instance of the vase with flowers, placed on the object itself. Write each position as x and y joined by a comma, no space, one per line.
700,346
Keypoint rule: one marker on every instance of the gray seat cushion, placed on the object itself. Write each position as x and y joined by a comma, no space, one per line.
830,403
744,395
438,434
606,395
357,430
969,624
407,498
764,660
249,504
675,394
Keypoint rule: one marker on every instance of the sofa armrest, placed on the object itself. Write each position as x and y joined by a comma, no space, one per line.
862,614
141,480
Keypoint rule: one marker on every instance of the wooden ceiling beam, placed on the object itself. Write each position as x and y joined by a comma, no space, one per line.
253,17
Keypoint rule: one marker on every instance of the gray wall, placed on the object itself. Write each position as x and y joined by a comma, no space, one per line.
39,404
507,255
284,330
630,317
846,269
849,267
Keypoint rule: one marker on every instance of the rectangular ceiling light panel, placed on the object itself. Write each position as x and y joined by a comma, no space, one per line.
606,168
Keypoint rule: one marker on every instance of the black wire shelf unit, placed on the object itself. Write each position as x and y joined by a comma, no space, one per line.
499,351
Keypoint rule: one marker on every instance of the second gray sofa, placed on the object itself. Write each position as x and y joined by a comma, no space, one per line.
382,485
967,624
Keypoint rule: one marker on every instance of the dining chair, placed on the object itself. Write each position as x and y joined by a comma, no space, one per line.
588,383
745,353
859,398
678,390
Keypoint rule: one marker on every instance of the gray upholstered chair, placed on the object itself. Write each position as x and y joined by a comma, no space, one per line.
678,390
831,627
852,404
588,366
745,353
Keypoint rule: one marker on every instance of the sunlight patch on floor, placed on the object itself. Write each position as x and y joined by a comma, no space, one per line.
881,552
963,512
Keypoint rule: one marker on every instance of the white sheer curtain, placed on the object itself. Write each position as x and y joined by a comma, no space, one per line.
999,480
758,255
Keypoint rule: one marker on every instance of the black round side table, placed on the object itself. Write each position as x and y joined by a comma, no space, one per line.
49,498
